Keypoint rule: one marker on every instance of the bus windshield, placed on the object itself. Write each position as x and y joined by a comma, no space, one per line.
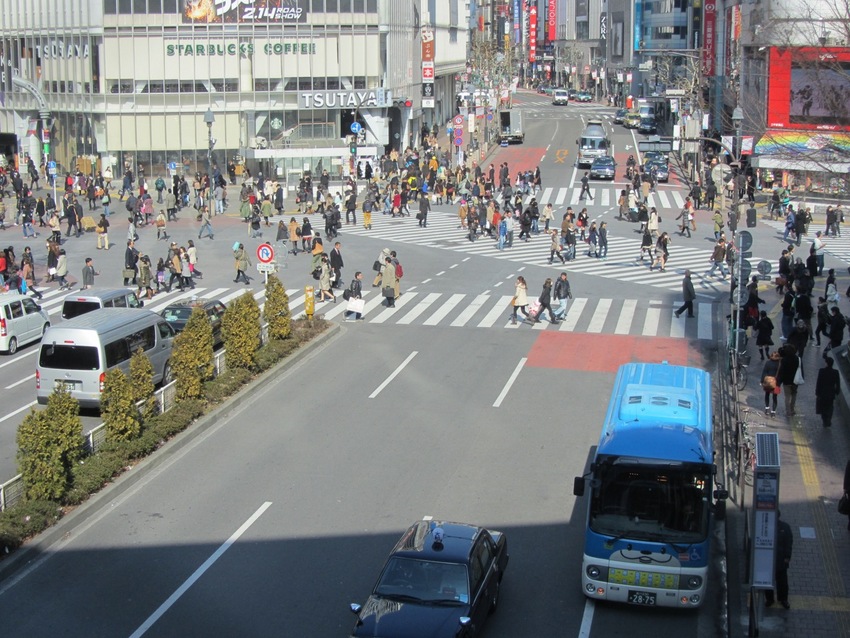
660,503
594,143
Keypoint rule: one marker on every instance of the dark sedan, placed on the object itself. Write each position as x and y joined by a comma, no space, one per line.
662,171
441,580
620,116
178,313
603,168
647,125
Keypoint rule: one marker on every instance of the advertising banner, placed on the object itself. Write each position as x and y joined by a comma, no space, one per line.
427,44
517,22
244,11
552,20
532,34
709,25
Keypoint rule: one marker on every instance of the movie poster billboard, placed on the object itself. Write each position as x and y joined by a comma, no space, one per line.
244,11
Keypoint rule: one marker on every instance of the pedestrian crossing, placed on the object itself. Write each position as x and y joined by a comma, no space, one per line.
488,309
600,195
838,247
623,262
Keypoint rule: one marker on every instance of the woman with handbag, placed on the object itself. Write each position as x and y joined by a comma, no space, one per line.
389,281
520,300
769,383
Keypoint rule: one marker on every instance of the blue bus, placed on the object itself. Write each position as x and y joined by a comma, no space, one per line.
651,490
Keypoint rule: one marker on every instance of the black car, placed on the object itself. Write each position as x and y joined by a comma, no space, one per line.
178,313
441,580
655,156
647,125
662,171
603,168
620,116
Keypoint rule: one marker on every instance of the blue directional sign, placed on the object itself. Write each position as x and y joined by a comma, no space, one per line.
356,128
172,166
51,164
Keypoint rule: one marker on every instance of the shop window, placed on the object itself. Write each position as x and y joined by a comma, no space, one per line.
332,84
359,83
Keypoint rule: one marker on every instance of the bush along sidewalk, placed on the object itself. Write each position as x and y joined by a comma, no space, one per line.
56,473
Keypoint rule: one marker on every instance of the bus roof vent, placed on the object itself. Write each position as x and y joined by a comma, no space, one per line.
658,405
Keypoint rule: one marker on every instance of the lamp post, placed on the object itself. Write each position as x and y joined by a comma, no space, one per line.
209,120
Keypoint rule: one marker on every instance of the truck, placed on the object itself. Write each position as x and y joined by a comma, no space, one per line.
510,126
594,142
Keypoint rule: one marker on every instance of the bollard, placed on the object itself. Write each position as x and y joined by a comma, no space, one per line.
309,301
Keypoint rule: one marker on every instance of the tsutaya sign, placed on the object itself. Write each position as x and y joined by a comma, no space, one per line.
336,99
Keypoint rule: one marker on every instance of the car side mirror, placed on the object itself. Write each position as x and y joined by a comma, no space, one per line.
578,486
465,621
355,608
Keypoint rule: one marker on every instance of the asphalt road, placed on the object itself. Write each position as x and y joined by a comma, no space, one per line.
308,485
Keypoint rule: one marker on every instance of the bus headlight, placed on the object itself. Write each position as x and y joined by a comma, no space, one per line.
596,572
694,582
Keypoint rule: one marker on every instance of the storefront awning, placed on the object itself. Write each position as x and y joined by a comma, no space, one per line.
810,151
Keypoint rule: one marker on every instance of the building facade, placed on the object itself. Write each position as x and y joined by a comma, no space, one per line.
124,83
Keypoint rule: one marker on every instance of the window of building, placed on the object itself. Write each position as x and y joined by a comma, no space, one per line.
140,6
582,30
125,6
371,6
170,6
331,6
110,7
345,6
317,6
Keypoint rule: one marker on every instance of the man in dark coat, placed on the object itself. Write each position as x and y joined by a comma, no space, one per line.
827,388
336,264
788,364
784,545
688,294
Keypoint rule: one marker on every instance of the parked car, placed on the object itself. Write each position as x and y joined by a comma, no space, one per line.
585,96
79,303
21,321
603,168
647,125
441,580
620,115
178,313
632,119
573,94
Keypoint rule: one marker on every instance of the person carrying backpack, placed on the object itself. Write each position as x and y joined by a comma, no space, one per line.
159,185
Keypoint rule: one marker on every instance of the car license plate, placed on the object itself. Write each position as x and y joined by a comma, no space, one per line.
641,597
68,385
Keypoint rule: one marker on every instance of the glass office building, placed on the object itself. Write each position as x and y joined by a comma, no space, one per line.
128,82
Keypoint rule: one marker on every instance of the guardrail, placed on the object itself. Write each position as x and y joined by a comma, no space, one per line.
12,491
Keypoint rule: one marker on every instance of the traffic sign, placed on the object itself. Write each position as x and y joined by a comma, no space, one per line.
356,127
266,267
51,164
458,141
172,166
265,253
458,120
746,269
764,267
746,238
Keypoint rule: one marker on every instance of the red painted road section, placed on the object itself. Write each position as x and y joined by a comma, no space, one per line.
519,158
606,353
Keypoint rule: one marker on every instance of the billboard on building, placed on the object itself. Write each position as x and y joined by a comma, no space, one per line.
244,11
809,88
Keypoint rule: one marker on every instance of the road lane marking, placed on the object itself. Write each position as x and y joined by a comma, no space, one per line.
510,382
18,411
420,308
394,374
627,314
164,607
444,310
597,319
586,619
17,383
16,359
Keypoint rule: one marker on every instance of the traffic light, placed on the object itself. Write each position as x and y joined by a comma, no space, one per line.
403,103
352,148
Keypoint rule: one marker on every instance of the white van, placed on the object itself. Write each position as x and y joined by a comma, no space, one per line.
21,321
560,97
77,353
84,301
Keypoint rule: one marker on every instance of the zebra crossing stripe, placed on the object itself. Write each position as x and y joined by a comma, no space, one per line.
627,315
704,321
470,310
444,310
420,308
562,195
677,326
399,304
652,319
597,321
496,312
574,311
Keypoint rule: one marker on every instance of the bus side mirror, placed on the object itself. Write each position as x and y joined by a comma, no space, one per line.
720,510
721,494
578,486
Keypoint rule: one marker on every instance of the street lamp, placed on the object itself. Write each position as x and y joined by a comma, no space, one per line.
209,120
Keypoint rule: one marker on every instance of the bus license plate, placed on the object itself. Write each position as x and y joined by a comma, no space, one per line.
641,597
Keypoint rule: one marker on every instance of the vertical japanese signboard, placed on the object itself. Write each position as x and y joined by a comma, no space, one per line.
532,34
428,95
709,24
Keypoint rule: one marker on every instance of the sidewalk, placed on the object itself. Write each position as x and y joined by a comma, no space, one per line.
812,464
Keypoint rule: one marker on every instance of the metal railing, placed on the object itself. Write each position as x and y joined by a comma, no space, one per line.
12,491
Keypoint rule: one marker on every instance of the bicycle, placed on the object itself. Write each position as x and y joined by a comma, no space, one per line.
738,364
746,447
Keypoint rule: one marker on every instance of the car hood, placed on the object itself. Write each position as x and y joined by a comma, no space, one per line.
388,618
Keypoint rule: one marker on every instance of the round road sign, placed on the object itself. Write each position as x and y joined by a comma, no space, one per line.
458,141
764,267
746,240
265,253
458,120
356,127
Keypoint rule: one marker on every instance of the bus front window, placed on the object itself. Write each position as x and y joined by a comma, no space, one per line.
651,503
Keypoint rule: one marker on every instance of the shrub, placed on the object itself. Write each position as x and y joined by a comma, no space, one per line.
240,327
141,383
24,520
118,407
177,418
50,441
276,311
192,356
95,471
225,384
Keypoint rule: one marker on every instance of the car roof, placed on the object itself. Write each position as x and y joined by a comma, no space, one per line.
418,541
103,294
106,319
191,303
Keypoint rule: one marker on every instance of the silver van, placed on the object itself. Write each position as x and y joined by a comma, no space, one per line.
77,353
594,142
84,301
21,321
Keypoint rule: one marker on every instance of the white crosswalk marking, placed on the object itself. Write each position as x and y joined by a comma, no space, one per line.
470,311
496,312
650,324
547,194
389,312
627,314
597,321
574,311
704,321
677,326
420,308
444,310
562,195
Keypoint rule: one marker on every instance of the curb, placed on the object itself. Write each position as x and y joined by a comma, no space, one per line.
67,525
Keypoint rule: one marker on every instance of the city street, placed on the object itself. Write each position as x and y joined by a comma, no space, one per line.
438,407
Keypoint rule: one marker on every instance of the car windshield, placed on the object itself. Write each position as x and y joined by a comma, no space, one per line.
603,162
423,580
177,314
651,503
